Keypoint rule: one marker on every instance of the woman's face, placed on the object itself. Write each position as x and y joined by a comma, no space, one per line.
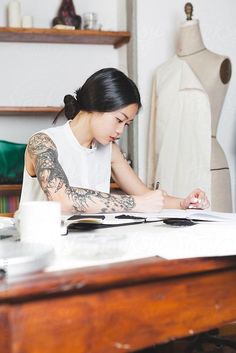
108,127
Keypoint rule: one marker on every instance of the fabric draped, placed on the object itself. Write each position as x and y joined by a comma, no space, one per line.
179,152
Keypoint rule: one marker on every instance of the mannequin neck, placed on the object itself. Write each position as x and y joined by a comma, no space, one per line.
190,39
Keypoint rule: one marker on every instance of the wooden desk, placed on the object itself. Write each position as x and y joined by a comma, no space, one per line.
119,308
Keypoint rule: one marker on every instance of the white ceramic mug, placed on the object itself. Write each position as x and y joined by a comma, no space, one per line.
39,221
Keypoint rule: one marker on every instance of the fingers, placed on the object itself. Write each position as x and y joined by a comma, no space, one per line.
197,199
200,203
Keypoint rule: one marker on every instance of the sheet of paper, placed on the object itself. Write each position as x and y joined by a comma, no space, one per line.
202,240
151,239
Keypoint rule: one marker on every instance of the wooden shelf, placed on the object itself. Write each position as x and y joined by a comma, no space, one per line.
52,35
10,187
17,187
7,214
28,110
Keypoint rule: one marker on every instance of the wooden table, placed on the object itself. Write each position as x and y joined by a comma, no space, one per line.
119,308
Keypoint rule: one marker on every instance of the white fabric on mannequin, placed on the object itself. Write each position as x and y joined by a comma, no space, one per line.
213,74
180,130
213,71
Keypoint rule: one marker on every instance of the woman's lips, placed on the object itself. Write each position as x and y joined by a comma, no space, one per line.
113,138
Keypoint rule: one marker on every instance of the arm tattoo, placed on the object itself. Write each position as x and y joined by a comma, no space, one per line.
111,203
52,179
48,170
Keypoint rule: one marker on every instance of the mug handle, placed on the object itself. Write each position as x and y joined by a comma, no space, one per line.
17,220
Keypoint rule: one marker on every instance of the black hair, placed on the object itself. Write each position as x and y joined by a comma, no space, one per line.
106,90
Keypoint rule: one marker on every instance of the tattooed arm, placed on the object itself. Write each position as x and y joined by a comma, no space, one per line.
42,161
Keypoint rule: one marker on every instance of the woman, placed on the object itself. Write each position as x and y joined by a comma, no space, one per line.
73,163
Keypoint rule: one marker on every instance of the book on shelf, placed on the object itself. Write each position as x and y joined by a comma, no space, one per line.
9,203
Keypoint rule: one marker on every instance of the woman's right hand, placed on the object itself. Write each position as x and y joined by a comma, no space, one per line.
151,201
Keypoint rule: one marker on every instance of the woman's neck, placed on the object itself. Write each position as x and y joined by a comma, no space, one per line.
190,39
80,126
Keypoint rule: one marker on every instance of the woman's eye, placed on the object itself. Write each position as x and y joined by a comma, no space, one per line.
119,121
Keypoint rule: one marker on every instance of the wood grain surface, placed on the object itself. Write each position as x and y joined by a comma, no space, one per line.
118,308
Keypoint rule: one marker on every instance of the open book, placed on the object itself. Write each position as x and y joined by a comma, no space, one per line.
197,215
97,220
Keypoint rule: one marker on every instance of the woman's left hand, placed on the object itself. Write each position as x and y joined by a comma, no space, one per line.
197,199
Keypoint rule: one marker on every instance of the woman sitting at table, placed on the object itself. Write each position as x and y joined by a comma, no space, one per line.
73,163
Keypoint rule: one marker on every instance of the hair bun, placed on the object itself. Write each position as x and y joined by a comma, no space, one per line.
69,99
71,106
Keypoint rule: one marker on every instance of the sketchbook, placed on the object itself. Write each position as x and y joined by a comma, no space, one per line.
198,215
99,220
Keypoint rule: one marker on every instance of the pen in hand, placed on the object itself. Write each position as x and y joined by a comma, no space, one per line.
164,193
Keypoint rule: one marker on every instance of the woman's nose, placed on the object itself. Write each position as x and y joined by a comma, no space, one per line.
120,128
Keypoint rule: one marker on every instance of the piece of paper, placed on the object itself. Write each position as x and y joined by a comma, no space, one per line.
201,240
151,239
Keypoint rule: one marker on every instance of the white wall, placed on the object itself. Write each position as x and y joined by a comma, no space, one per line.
36,74
157,28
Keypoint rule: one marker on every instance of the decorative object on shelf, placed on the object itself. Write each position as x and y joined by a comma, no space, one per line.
27,21
11,162
188,9
64,27
90,20
14,14
67,16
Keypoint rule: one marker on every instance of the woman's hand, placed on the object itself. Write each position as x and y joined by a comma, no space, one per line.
197,199
151,201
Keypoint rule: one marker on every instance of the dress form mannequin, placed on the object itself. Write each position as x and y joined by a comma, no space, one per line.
214,72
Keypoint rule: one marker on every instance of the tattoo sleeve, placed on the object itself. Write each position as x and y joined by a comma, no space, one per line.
55,184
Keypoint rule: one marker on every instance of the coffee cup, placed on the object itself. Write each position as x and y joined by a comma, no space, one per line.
38,221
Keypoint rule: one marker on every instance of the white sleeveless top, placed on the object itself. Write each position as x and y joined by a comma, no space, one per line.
84,167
